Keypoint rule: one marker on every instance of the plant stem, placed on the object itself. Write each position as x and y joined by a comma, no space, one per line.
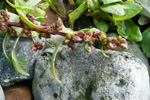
21,25
50,32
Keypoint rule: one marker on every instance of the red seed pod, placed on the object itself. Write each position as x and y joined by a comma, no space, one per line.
114,39
90,43
124,45
3,28
72,46
76,39
89,33
110,45
119,38
66,42
87,38
33,48
68,36
3,12
109,39
38,45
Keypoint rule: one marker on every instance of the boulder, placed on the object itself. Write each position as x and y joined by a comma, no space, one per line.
8,74
90,76
1,94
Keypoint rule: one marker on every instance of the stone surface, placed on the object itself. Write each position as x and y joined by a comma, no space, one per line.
1,94
91,76
18,92
8,74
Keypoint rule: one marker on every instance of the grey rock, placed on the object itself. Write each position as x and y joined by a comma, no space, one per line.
54,41
8,74
2,97
90,76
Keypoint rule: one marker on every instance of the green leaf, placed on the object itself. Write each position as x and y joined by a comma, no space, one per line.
30,3
144,12
39,19
131,9
143,20
21,61
129,30
37,12
145,44
110,1
77,13
57,6
53,65
93,4
19,7
101,25
17,60
79,2
113,9
44,5
98,14
145,4
5,44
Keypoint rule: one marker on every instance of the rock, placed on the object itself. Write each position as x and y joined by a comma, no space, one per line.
135,49
18,92
1,94
90,76
54,41
8,74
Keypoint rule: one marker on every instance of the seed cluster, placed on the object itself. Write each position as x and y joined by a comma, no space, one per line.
92,36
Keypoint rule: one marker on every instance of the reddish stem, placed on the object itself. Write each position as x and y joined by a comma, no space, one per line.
50,32
21,25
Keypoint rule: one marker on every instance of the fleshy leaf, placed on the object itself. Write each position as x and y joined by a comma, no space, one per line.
17,61
129,30
39,19
44,5
37,12
19,7
113,9
110,1
53,65
77,13
79,2
145,4
145,44
5,44
21,61
101,14
92,4
131,9
144,12
101,25
57,6
143,20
